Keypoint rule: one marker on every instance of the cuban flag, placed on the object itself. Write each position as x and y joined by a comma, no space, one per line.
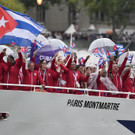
130,58
115,48
101,61
72,46
12,44
63,48
119,46
67,53
121,50
108,53
38,44
81,61
26,49
17,27
97,53
102,51
112,53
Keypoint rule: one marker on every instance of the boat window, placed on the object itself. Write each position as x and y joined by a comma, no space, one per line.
4,116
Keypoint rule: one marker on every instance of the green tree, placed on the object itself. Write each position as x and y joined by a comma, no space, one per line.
14,5
117,12
73,7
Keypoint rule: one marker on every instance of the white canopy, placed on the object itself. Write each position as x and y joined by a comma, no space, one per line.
71,29
92,27
105,43
122,57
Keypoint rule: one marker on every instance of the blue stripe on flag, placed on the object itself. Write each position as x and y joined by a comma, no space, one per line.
24,25
17,40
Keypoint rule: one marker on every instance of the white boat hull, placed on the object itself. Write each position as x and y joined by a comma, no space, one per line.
37,113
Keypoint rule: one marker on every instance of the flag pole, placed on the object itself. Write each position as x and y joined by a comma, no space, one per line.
71,40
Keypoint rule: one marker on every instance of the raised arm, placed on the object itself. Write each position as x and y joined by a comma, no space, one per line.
2,54
20,59
70,60
83,78
123,64
23,67
85,60
53,66
36,66
110,64
55,75
126,74
64,68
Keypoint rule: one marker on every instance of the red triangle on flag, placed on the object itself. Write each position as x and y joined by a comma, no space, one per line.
96,51
108,53
7,23
115,48
123,50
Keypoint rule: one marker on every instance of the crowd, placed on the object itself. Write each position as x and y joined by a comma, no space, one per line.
125,37
66,73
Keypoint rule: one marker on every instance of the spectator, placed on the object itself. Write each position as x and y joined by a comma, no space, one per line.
31,76
12,73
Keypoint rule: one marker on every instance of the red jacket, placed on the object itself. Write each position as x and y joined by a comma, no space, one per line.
61,81
11,76
127,83
48,77
117,81
100,85
63,73
74,76
63,76
3,68
31,78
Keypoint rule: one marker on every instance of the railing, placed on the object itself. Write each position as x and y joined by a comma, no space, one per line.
68,88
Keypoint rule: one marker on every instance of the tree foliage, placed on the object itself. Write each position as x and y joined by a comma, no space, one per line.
116,11
15,5
72,3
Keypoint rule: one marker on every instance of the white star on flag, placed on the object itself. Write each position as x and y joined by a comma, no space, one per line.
2,22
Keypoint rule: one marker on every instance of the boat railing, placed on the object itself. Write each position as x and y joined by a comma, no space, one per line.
68,88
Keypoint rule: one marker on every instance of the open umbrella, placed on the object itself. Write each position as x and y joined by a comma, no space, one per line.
41,39
92,60
122,57
8,51
105,43
48,51
55,43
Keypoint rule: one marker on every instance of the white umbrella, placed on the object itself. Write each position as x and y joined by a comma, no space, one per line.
41,39
122,57
56,43
105,43
8,51
92,60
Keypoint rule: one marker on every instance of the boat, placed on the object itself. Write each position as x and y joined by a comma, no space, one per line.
43,113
